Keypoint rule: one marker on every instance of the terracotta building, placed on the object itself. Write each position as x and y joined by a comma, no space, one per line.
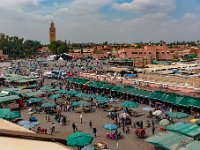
152,52
52,32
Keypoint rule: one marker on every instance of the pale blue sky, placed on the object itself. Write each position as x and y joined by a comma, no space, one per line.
102,20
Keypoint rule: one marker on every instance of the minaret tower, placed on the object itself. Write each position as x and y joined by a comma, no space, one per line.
52,32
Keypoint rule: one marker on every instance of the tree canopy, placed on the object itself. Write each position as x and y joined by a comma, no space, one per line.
16,47
58,47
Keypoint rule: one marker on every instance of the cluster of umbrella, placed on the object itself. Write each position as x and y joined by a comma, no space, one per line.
80,139
172,115
40,100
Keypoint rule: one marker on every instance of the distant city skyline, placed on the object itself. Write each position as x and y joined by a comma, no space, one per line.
102,20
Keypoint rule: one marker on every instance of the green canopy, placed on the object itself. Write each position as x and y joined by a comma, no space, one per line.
198,122
84,95
175,99
61,91
101,99
127,89
117,88
23,91
3,94
169,140
8,114
32,86
177,115
76,104
170,98
99,85
12,89
48,105
54,96
79,139
44,88
35,100
9,98
78,80
121,61
192,146
72,92
141,93
129,104
107,86
194,102
80,103
157,95
191,130
33,94
81,95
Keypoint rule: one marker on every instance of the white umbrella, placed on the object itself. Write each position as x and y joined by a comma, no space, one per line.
148,108
60,59
157,113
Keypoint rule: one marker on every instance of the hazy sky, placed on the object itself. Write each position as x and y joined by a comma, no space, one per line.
102,20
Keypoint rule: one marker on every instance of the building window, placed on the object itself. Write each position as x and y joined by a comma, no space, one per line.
157,52
140,52
167,52
144,52
134,53
163,52
149,52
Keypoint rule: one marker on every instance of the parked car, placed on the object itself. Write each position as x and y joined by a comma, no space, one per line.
58,74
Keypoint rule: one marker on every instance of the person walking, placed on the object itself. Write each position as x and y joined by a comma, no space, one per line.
52,128
117,147
96,104
64,120
153,130
81,118
74,127
152,122
141,124
123,126
90,123
95,132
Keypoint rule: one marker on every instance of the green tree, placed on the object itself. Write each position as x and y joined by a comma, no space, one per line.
15,47
58,47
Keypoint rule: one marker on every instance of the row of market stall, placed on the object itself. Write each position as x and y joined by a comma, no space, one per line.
15,79
171,98
179,136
